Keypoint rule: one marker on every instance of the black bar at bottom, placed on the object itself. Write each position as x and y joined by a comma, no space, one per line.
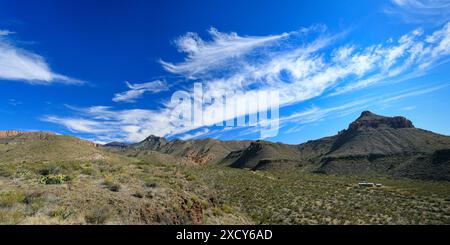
225,234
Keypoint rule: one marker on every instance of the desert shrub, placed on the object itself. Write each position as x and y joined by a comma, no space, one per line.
24,174
31,197
8,199
97,215
5,171
54,179
150,184
10,216
109,183
190,177
62,212
87,169
114,187
216,211
204,203
33,201
138,194
195,198
227,209
49,169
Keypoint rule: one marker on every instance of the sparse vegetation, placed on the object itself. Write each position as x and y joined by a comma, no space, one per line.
294,197
97,215
10,198
95,186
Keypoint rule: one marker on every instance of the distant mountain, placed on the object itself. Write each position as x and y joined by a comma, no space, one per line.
377,144
200,151
372,144
116,144
260,154
32,147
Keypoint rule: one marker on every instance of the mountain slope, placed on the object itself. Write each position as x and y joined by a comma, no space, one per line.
52,179
263,154
392,145
372,144
33,147
201,151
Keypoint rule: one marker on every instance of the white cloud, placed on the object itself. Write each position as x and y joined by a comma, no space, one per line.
78,124
205,55
14,102
409,108
297,66
21,65
195,134
138,89
420,11
5,32
411,56
316,114
118,125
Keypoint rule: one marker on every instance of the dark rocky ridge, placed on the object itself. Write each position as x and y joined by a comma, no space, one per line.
199,151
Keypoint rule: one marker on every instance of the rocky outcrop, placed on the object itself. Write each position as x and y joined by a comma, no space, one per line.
369,119
11,133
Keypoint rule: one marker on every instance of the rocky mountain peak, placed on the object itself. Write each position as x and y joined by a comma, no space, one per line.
372,120
153,138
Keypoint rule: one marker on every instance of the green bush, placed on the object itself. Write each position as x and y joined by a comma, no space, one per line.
54,179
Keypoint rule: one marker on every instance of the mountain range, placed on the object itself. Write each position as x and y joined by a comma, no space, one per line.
372,144
46,178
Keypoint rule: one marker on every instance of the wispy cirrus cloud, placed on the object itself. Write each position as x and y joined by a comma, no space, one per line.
79,124
205,55
138,89
299,65
5,32
194,135
308,70
420,11
17,64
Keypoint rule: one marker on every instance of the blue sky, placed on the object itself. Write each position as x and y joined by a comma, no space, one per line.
107,71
